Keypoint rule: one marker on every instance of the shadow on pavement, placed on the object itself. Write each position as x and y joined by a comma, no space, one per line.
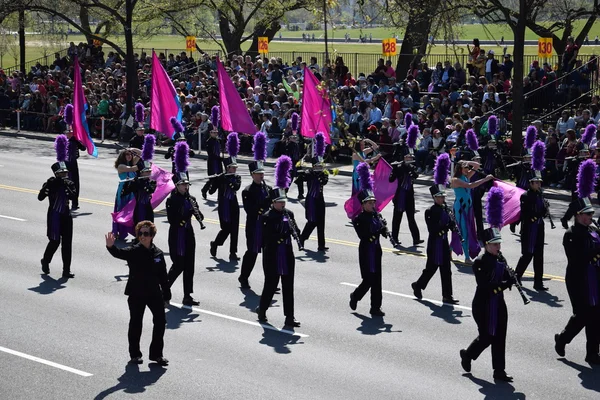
542,297
134,381
311,255
280,342
588,375
373,325
223,265
76,214
493,390
251,299
176,316
121,278
445,312
49,285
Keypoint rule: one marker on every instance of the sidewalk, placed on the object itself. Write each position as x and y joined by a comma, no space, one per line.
344,169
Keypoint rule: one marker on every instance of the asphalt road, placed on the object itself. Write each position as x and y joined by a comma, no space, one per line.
68,340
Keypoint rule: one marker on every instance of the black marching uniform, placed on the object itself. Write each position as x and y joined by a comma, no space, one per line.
213,163
295,151
142,189
314,205
521,172
137,142
73,149
147,286
59,220
571,184
229,211
404,199
477,201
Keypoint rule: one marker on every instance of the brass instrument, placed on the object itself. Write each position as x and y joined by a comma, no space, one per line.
454,228
513,275
385,232
294,229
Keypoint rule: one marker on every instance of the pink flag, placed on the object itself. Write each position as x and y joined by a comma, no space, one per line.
81,130
164,100
316,108
234,115
164,186
383,189
512,202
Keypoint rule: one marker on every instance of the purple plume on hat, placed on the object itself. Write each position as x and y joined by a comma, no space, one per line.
411,136
586,178
68,114
233,144
60,145
259,147
365,181
495,207
441,169
588,134
176,125
148,147
282,172
182,154
530,135
408,120
139,112
538,150
492,125
214,116
320,144
295,122
472,141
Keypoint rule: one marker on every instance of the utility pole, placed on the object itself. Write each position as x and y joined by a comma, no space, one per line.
325,25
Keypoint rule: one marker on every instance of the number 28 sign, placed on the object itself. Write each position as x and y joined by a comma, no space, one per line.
388,47
545,47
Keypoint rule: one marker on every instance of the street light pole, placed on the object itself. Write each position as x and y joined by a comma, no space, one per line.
325,25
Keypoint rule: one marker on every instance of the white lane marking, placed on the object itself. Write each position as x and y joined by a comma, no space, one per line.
13,218
409,296
46,362
243,321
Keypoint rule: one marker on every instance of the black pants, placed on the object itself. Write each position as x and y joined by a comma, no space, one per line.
478,213
226,230
249,259
74,175
287,291
186,265
370,280
137,306
445,274
308,229
538,262
412,224
66,238
498,341
588,318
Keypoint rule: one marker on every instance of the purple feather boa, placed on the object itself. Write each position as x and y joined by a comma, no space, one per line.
176,125
139,113
148,147
492,125
365,180
233,144
441,169
259,147
588,134
282,172
60,145
495,207
408,120
214,116
69,114
295,123
411,136
538,150
320,144
586,179
182,154
472,141
530,136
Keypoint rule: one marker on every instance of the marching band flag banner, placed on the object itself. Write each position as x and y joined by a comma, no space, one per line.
81,130
512,202
164,102
316,108
234,115
383,189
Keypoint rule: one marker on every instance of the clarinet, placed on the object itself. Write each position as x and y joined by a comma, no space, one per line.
294,229
454,228
196,210
548,215
513,276
385,232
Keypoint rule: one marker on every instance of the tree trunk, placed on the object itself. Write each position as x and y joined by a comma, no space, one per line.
261,30
131,70
84,17
231,40
22,60
517,81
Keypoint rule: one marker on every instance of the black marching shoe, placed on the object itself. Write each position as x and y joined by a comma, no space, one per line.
291,322
418,242
540,287
213,249
465,360
204,193
564,223
45,267
376,312
136,360
449,300
323,249
68,275
244,283
300,197
160,361
233,257
190,301
513,227
416,290
559,346
593,359
502,376
74,207
353,302
262,315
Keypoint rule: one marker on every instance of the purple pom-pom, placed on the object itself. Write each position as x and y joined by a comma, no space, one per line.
408,120
530,136
295,123
472,141
538,150
182,154
233,144
139,113
320,144
60,145
586,178
411,136
495,207
214,116
492,125
588,134
365,181
282,172
69,114
259,147
176,125
441,169
148,147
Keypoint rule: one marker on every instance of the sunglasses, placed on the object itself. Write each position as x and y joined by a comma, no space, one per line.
145,234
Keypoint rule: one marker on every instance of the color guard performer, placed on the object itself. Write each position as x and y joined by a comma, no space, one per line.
73,149
213,150
142,186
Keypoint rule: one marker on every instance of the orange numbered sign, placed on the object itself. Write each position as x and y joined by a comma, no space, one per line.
190,43
545,47
263,45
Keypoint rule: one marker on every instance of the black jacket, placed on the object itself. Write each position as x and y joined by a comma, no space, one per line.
256,201
581,250
147,270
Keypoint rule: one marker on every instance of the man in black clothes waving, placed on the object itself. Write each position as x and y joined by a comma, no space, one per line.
147,286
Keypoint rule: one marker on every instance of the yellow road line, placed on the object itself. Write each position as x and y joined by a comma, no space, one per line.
314,238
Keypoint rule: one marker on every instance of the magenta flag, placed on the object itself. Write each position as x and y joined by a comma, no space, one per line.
234,115
383,189
81,130
164,186
512,202
164,102
316,107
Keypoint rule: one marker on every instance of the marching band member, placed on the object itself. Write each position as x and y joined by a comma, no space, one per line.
73,154
294,148
522,171
178,136
213,149
126,165
59,190
478,192
137,140
142,186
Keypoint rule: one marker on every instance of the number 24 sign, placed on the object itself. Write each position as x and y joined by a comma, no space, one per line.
263,45
388,47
